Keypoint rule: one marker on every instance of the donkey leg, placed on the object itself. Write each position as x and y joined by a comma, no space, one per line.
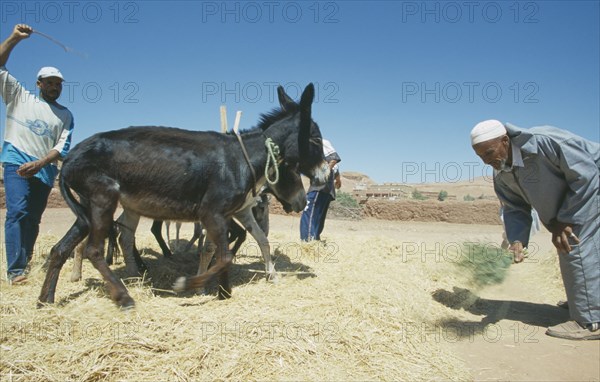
58,255
237,236
177,229
113,248
117,290
197,235
247,219
205,257
77,263
102,209
218,234
168,229
141,266
128,222
157,232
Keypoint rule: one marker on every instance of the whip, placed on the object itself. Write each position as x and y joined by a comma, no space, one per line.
66,48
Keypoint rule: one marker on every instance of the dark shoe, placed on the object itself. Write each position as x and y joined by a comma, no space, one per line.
18,280
572,330
563,304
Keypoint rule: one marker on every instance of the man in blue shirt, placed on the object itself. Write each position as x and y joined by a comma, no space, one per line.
557,173
38,133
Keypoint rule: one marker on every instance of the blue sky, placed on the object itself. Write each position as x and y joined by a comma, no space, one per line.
399,83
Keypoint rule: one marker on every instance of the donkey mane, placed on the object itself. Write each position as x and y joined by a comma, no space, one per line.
275,115
266,120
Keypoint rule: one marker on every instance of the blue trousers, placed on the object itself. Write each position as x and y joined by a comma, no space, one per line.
314,214
26,200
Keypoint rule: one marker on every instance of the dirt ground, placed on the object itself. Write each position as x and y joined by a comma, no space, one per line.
506,340
479,211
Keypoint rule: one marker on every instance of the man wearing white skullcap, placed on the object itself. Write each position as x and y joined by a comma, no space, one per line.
38,132
557,173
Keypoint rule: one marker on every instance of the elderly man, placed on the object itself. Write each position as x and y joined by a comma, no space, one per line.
557,173
38,132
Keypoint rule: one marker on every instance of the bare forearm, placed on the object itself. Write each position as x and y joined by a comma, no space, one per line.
29,169
20,32
6,47
52,156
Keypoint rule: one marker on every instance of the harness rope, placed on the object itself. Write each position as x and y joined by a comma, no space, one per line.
272,155
239,137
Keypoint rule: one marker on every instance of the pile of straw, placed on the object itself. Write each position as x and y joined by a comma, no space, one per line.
344,309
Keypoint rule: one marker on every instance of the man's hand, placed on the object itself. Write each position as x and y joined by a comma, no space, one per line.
517,250
561,233
29,169
22,31
332,164
338,182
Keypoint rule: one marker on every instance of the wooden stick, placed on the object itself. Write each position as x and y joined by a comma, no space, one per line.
223,119
236,124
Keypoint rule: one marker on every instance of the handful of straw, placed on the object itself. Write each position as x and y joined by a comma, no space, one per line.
485,264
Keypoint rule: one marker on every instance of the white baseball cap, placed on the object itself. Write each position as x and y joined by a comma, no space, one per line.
49,71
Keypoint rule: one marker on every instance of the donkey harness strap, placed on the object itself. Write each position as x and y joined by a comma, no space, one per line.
239,137
272,159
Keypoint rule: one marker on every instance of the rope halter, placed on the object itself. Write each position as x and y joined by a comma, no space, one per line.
272,156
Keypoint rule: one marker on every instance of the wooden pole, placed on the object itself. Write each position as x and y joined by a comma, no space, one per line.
236,125
223,119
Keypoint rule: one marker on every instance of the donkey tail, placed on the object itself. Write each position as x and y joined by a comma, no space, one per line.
77,207
194,282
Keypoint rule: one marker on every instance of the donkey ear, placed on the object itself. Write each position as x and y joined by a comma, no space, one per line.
307,97
308,152
284,100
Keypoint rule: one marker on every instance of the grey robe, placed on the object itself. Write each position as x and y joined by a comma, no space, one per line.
561,180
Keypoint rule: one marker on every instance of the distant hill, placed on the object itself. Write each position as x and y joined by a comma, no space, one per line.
476,187
351,180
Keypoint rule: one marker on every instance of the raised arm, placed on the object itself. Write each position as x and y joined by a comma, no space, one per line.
20,32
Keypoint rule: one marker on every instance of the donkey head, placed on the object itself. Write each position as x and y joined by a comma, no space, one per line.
302,144
289,190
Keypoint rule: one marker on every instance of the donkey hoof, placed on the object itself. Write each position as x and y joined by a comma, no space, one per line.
201,292
224,294
273,278
42,304
180,284
127,308
126,303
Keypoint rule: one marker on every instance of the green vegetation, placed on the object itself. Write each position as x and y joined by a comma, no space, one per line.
417,195
346,200
468,198
442,195
345,206
484,263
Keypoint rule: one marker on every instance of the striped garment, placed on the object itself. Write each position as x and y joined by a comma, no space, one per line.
33,127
